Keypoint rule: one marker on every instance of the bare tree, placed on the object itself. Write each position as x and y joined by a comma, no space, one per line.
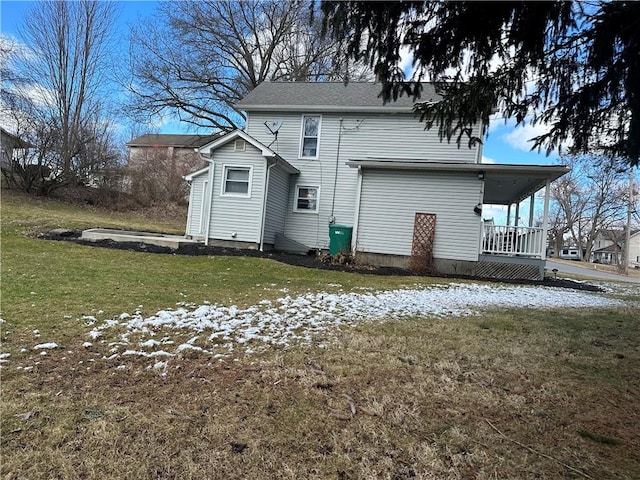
209,54
70,44
590,198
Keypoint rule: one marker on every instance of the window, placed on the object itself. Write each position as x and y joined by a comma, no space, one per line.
236,181
306,199
310,136
239,145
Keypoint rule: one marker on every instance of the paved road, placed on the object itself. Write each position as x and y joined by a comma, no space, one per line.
588,272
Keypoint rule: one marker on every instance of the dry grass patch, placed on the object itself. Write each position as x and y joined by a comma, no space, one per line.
504,395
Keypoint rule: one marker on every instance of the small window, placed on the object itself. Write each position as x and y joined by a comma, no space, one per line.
236,181
310,138
239,145
306,199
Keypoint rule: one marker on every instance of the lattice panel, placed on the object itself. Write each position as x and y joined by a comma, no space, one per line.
424,230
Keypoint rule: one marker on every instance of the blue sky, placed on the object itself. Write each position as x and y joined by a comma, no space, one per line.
504,144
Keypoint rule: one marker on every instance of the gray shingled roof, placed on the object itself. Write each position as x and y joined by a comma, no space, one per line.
327,96
171,140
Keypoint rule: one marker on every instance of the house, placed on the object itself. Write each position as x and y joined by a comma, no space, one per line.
179,150
608,246
158,163
321,159
9,143
634,249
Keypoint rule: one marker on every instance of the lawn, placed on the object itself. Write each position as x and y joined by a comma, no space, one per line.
507,392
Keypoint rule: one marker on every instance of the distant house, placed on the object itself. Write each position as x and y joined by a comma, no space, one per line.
8,144
158,163
608,246
320,164
172,150
634,249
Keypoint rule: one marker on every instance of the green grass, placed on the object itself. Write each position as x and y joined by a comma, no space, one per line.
564,383
45,281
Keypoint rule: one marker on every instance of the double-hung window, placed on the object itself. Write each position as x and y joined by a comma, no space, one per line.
236,181
310,136
307,199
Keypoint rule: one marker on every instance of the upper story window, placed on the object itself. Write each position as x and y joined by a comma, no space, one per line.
310,138
236,181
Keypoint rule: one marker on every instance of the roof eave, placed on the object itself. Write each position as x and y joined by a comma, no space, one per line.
323,108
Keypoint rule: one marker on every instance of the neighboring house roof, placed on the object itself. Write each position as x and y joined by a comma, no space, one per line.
613,248
329,96
172,140
16,142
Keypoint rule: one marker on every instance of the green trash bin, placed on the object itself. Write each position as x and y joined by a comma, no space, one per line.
339,239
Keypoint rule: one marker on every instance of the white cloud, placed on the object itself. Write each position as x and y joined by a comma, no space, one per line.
520,137
487,160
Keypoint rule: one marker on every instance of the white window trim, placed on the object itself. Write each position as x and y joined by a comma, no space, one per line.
223,183
301,151
295,199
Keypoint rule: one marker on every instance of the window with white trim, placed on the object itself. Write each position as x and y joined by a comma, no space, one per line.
306,199
310,136
236,181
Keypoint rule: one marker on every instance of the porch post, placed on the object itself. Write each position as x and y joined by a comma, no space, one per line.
508,214
531,206
517,219
545,220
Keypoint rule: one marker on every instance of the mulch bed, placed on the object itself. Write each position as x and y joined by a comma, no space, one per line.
323,262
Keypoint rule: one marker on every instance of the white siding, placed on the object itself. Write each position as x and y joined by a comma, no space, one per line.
239,215
277,200
390,201
391,136
363,135
196,197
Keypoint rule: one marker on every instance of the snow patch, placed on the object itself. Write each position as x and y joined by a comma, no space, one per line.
48,346
301,319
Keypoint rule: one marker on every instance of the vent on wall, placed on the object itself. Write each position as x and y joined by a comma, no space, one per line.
239,145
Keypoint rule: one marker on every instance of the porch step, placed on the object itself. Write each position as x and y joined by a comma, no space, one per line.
287,245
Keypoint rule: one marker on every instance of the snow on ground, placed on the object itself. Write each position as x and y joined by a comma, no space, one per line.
219,330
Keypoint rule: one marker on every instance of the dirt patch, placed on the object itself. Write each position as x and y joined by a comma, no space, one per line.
312,260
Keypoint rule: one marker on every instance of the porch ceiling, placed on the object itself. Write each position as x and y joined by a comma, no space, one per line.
511,185
503,184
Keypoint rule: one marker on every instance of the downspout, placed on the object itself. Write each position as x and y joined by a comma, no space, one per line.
356,215
189,209
207,229
332,218
267,175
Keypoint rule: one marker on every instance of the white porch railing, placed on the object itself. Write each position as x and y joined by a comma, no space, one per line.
508,240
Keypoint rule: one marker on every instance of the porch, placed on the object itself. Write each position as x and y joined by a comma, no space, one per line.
517,249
